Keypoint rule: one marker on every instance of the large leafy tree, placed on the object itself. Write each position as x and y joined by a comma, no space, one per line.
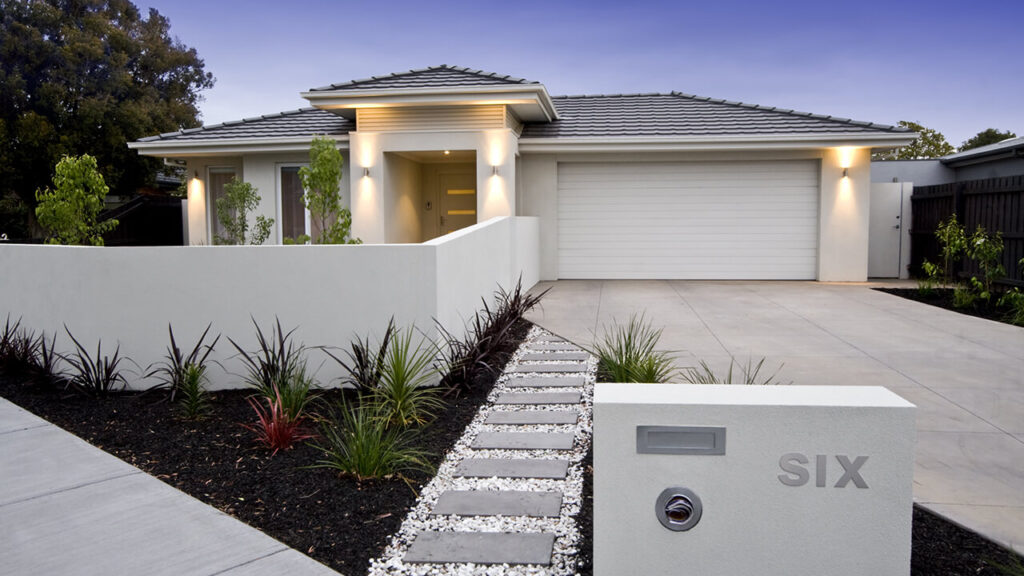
87,76
929,144
986,137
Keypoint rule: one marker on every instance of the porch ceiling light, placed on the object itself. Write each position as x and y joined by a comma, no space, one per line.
447,152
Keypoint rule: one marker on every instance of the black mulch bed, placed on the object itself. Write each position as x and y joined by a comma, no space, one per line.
339,521
943,298
938,547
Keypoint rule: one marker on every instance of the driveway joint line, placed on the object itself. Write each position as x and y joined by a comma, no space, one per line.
33,427
248,562
71,488
699,317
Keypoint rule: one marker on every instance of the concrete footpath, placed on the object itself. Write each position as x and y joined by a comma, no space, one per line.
67,507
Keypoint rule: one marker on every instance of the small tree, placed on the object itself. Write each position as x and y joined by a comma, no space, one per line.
928,144
984,138
68,212
987,252
322,197
240,198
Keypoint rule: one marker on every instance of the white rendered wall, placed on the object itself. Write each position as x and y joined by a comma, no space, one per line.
843,232
495,149
403,197
127,296
758,518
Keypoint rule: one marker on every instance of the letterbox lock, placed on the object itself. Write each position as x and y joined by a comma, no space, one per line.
678,509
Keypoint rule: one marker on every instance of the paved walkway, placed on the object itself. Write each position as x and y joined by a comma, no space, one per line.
67,507
965,374
505,499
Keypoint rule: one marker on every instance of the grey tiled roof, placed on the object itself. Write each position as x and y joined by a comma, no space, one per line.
997,148
677,114
442,76
302,122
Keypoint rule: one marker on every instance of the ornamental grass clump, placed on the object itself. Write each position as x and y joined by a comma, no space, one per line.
194,399
357,441
277,371
405,393
750,373
174,371
629,354
275,428
365,362
95,376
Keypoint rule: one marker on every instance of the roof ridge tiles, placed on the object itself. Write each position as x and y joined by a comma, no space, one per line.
474,72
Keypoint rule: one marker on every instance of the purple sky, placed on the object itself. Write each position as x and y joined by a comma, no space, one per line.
957,67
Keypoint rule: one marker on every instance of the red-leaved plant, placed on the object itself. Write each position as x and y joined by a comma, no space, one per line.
274,428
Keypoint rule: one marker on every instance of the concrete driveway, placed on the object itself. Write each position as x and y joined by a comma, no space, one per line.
966,375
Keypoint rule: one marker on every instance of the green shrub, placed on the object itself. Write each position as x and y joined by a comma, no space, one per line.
240,198
404,393
964,297
953,241
629,354
357,441
194,401
987,252
69,212
99,376
172,371
1014,300
749,373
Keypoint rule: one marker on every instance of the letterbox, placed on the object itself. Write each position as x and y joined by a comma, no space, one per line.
729,480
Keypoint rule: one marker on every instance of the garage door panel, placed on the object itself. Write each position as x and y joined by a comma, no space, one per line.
725,220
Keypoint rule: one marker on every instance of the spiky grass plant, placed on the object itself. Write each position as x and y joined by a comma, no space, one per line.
365,361
96,376
749,373
194,400
405,394
278,368
275,428
628,353
357,441
174,368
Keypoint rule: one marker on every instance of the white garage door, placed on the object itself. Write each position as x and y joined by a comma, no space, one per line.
692,220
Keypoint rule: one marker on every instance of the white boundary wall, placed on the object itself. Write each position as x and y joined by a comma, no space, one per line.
127,296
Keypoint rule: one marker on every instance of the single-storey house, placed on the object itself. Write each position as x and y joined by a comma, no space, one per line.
624,186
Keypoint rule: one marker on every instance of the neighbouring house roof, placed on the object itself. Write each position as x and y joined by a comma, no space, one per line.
442,76
1009,148
305,122
678,114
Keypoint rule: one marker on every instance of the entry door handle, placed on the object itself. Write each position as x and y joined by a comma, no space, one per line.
897,226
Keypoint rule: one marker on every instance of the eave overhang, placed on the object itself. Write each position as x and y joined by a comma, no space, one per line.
731,142
530,102
227,146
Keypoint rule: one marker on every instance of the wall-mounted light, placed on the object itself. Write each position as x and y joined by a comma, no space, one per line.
494,170
366,172
846,172
196,174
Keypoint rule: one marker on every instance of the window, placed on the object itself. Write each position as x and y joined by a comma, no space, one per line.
294,217
216,179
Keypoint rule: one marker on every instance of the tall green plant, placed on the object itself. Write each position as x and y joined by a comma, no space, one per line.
953,241
321,181
241,198
986,250
629,354
404,393
70,210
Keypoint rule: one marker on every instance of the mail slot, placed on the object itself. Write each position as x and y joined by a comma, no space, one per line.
813,480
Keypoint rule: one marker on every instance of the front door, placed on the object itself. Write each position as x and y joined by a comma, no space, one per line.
457,201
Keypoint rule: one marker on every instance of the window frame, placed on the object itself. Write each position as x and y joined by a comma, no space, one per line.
279,197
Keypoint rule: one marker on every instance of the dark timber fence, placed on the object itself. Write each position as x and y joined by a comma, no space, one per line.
997,204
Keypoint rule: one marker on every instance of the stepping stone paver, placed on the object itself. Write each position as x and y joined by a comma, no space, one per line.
550,368
512,468
481,548
550,338
552,346
503,503
533,417
523,441
537,398
555,382
545,356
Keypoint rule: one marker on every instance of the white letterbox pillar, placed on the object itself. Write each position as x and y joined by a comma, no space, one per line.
769,480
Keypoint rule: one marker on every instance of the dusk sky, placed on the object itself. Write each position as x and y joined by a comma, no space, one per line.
957,67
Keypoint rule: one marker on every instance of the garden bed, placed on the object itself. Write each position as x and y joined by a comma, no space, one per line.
336,520
943,298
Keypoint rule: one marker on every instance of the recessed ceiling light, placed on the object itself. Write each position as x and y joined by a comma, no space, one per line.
447,152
